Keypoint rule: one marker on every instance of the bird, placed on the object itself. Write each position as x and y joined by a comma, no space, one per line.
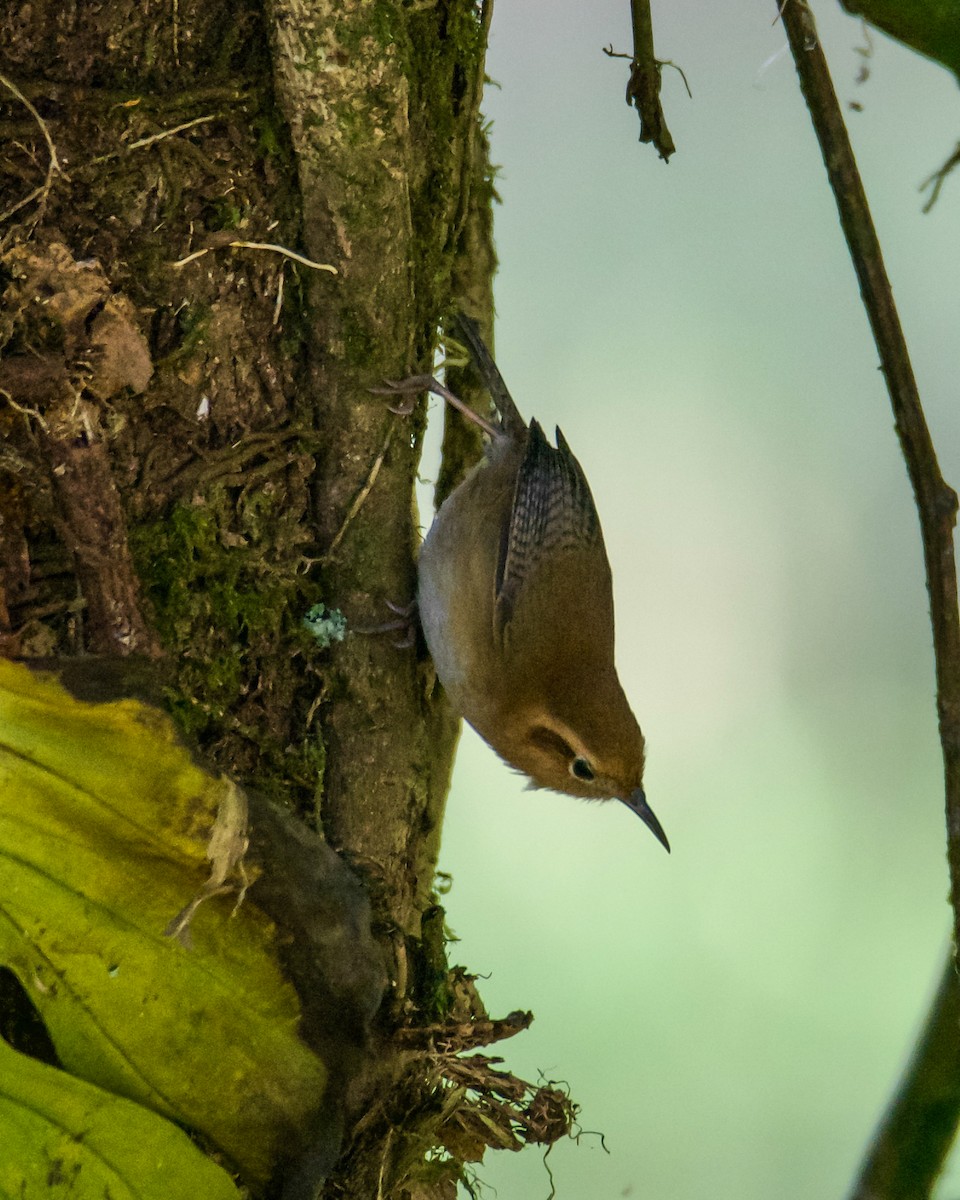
515,599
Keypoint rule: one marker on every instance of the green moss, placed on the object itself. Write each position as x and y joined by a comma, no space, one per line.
359,346
385,21
433,984
271,139
443,70
231,44
223,213
190,327
228,605
196,584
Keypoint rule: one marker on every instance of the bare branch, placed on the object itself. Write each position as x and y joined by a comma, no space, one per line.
902,1142
643,88
936,500
917,1130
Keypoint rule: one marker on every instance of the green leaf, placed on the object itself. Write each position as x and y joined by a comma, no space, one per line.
105,824
63,1137
931,27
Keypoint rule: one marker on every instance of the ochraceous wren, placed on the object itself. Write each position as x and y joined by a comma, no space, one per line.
516,603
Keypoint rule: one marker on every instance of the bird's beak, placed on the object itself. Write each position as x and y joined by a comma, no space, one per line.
637,802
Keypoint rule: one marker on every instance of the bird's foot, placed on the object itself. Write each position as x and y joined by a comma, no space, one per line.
405,623
411,387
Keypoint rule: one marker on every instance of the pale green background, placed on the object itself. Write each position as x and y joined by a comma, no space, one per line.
731,1017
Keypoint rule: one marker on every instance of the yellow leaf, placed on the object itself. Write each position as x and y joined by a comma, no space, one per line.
64,1137
105,826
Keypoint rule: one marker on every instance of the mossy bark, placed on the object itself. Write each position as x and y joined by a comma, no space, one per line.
191,456
381,101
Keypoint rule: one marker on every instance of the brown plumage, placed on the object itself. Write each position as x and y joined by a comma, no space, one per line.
516,603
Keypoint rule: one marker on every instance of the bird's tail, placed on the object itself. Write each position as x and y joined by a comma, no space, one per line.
466,328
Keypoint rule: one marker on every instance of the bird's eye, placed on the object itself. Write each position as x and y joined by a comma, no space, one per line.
581,769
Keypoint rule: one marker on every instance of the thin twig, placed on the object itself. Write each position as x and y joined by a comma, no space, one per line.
272,246
278,306
936,501
54,165
361,495
53,162
643,89
383,1163
42,190
937,179
182,262
175,31
165,133
668,62
33,413
151,138
661,62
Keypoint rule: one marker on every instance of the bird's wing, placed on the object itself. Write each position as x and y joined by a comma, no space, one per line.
553,516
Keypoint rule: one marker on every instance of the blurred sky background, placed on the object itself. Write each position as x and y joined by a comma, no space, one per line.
732,1017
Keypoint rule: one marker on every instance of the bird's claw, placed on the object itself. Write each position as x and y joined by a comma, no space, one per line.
404,624
426,383
409,388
